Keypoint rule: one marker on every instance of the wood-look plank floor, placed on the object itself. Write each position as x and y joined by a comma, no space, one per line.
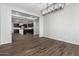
29,45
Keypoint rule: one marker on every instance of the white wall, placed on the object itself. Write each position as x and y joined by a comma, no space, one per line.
5,25
0,24
36,27
63,25
41,26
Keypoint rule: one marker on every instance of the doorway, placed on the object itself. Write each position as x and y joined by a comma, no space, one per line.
24,25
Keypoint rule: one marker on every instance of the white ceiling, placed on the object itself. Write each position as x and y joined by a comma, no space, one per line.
33,7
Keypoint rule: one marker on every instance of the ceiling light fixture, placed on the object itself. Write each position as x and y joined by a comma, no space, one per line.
52,8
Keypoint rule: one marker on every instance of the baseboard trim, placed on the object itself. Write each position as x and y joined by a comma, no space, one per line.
62,40
4,45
